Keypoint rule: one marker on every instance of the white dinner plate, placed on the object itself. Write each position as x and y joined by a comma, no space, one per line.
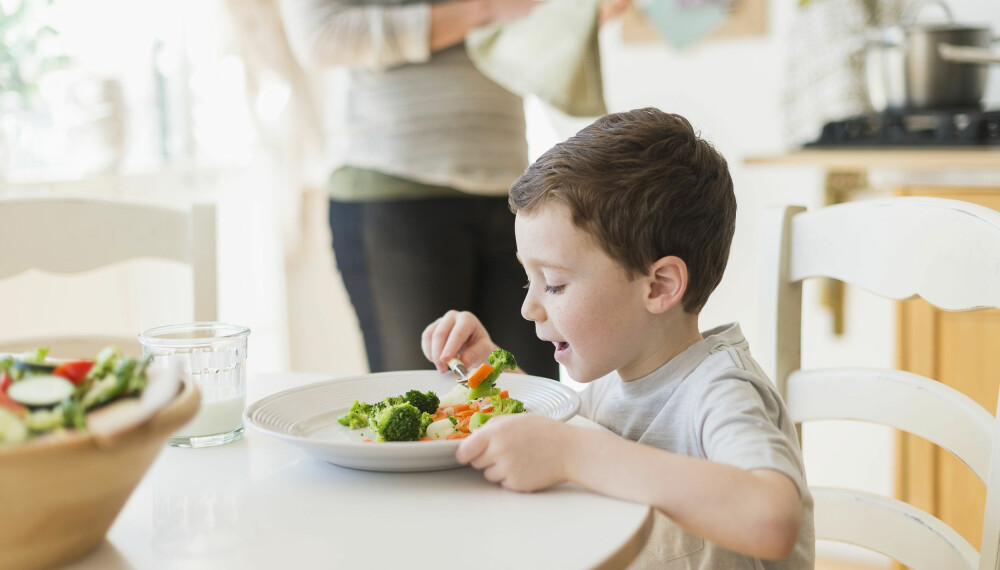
307,417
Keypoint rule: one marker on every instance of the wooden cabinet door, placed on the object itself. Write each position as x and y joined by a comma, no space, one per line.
961,349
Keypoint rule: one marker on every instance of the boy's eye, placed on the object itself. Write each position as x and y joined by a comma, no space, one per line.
554,288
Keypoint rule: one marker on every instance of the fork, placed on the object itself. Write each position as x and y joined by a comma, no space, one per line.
460,370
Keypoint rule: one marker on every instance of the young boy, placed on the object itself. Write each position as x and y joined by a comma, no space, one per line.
624,231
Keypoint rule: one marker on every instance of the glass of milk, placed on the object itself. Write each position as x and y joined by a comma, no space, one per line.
213,355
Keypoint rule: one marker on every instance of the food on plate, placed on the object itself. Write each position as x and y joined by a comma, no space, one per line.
38,397
424,416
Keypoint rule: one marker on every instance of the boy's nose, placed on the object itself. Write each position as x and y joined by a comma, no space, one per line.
532,310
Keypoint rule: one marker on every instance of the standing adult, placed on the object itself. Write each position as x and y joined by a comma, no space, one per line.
418,211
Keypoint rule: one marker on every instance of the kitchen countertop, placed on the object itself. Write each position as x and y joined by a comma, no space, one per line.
910,158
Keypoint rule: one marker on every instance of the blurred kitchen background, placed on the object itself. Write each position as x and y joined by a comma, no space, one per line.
201,100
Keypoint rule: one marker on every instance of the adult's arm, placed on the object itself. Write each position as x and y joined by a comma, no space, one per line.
325,33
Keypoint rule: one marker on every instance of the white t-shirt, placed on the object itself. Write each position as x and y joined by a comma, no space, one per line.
712,401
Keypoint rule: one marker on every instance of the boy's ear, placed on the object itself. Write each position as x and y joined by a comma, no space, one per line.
668,280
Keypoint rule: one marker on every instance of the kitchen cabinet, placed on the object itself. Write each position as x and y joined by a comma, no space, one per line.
957,348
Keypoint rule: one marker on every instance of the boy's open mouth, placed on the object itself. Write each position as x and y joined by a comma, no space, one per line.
561,348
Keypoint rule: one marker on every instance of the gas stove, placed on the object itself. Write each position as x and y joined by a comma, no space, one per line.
966,127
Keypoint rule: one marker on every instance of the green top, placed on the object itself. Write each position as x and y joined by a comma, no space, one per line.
352,184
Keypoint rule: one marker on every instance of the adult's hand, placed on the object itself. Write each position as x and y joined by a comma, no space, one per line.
451,21
611,9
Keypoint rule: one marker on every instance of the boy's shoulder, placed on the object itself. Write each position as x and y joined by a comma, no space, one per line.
726,359
724,347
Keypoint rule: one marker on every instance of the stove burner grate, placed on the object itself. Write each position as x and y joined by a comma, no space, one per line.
929,128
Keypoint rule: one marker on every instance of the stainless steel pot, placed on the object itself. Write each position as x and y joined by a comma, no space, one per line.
927,66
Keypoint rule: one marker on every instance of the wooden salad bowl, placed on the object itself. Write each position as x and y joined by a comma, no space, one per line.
59,496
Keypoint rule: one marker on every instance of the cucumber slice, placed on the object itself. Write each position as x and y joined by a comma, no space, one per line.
41,391
34,367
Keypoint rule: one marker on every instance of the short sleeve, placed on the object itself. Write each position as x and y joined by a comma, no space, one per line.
739,425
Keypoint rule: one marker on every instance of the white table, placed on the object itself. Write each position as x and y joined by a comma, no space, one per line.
262,503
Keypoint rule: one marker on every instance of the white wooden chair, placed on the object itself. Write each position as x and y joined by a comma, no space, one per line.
62,234
947,252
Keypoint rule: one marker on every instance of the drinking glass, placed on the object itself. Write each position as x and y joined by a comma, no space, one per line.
213,355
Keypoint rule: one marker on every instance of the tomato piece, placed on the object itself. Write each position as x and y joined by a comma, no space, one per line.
5,382
74,371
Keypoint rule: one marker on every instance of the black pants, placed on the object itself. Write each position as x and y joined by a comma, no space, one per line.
406,262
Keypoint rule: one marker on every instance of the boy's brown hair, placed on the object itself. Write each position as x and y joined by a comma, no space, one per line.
645,186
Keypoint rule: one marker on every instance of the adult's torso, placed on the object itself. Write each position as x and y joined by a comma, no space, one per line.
439,122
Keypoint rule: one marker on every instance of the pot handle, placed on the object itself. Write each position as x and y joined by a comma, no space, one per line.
966,54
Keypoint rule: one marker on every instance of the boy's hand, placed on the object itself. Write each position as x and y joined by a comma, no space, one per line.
522,452
456,334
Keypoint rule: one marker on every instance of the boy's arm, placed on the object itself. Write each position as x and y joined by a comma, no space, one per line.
756,512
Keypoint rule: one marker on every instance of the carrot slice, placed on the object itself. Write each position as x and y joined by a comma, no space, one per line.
458,435
460,408
479,375
505,394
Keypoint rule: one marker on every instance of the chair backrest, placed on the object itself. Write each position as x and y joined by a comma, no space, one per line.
62,234
945,251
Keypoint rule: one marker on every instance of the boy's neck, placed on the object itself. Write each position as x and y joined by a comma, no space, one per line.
671,335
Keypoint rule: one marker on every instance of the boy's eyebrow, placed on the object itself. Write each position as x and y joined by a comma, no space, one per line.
545,264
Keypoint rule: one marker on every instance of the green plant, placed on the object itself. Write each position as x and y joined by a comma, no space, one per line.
26,53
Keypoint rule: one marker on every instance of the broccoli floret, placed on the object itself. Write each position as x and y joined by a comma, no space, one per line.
506,405
423,401
500,360
378,407
357,416
425,420
401,422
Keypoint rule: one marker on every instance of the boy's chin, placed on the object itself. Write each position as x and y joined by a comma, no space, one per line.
584,376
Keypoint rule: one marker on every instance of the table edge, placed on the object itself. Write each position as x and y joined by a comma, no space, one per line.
627,552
